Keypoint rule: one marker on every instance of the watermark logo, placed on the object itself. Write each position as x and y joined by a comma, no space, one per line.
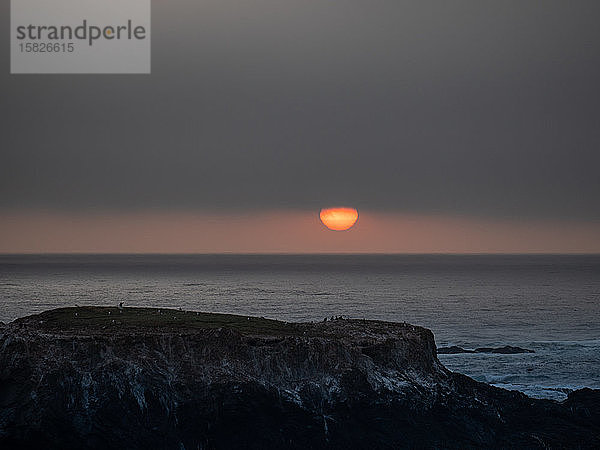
80,36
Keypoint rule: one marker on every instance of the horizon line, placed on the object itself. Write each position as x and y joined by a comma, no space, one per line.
302,254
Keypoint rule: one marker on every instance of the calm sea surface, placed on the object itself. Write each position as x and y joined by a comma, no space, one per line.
550,304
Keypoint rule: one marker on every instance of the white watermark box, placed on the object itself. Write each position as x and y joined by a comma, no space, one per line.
80,36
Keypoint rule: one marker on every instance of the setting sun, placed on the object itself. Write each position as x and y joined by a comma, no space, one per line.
338,219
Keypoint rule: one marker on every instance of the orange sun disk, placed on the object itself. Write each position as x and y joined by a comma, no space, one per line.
338,219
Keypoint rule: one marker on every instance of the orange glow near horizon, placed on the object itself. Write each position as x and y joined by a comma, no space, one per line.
339,218
285,231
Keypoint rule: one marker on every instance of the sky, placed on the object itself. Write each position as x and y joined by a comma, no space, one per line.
462,126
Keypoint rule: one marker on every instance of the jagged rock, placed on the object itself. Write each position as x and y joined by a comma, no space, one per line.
186,380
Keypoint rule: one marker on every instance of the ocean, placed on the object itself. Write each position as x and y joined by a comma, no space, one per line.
547,303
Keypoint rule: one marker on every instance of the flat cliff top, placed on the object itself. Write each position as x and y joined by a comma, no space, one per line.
102,320
101,377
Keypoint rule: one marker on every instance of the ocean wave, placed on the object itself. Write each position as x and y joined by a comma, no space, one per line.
527,379
540,391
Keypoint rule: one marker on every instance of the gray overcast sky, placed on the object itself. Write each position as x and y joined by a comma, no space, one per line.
478,107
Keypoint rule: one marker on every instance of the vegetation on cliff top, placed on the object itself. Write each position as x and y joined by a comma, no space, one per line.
97,318
113,320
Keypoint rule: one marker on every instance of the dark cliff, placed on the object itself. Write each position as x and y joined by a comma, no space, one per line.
146,378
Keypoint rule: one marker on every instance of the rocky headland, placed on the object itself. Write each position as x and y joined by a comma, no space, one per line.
98,377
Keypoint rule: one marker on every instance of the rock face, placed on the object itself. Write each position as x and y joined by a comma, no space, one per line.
140,378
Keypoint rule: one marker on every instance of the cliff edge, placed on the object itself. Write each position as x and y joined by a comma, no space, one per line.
98,377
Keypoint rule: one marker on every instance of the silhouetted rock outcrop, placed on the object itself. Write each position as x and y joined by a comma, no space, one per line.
141,378
452,350
506,350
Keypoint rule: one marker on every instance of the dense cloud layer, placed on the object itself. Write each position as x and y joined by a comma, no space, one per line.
486,108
